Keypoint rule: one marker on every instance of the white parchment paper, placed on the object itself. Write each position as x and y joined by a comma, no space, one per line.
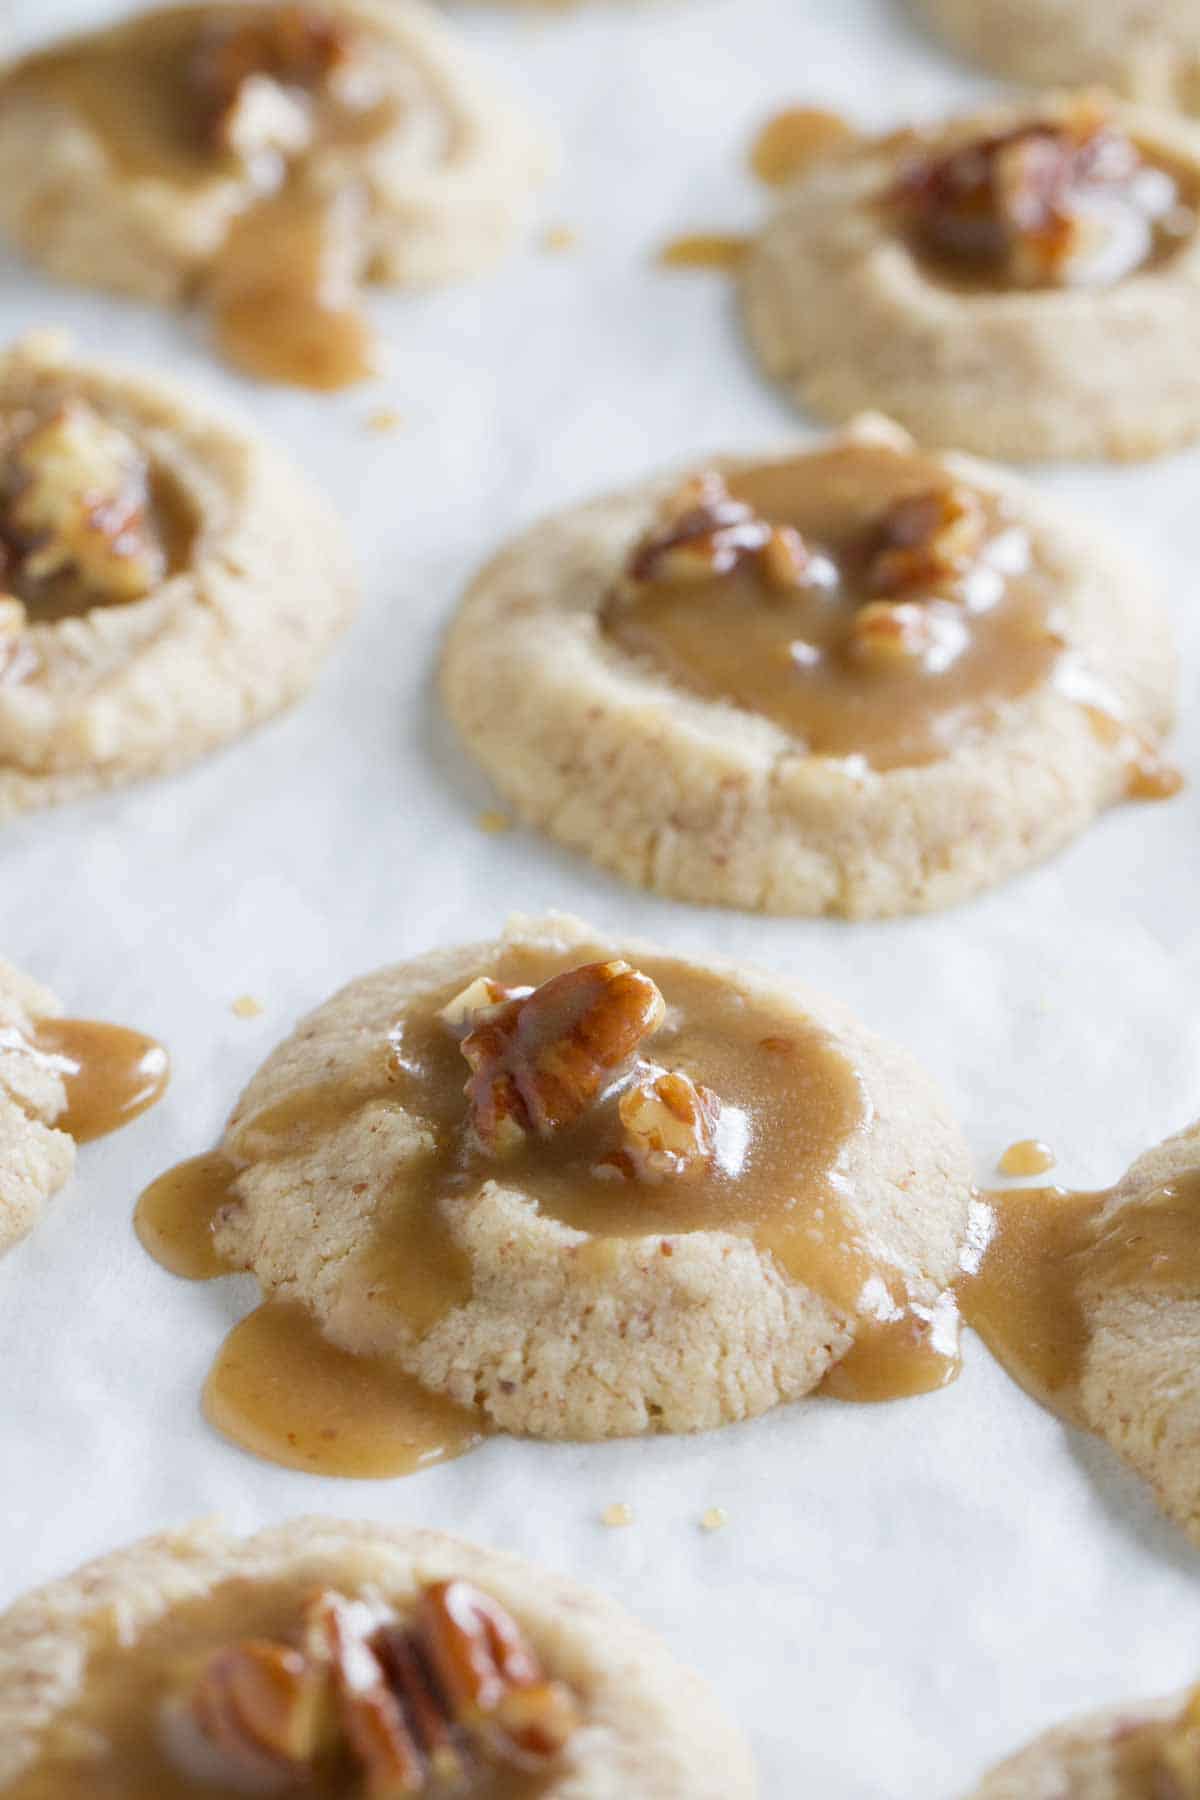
902,1593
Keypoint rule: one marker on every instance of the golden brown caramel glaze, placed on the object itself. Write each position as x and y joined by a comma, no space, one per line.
1049,1248
161,93
813,659
1029,1156
1050,203
283,1391
176,1215
111,1074
127,1730
792,140
705,250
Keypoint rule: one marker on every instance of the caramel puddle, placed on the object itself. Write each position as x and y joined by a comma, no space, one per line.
175,1216
789,142
111,1074
705,250
282,1390
1028,1157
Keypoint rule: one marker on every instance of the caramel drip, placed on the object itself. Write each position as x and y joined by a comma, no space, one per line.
281,1389
792,658
285,293
112,1737
791,141
284,287
1052,1260
176,1215
1028,1157
705,250
1150,774
110,1074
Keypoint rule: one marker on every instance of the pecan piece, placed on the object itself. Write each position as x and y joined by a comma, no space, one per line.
264,1709
539,1062
1014,199
669,1123
340,1633
493,1682
240,75
928,540
893,635
704,532
75,499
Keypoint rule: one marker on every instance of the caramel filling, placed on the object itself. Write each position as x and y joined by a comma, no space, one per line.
724,1123
1052,1259
1030,1156
1069,204
204,96
137,1723
812,659
705,250
110,1074
792,140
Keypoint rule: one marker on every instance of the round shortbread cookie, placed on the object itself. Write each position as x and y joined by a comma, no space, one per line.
567,1326
248,583
1086,1759
1147,49
35,1159
707,800
648,1726
845,314
446,188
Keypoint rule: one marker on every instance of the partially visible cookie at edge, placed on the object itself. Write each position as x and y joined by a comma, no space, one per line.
35,1158
170,580
1136,1752
642,1724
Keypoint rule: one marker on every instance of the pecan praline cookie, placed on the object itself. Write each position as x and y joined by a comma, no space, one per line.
1122,1752
1147,49
1057,314
35,1158
641,1723
171,579
683,1210
1092,1300
272,157
748,726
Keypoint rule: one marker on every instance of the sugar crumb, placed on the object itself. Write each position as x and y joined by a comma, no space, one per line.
494,823
714,1519
384,420
247,1007
619,1513
559,238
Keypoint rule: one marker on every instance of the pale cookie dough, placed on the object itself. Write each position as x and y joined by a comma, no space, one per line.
35,1159
1140,1382
707,801
565,1332
649,1727
1103,1756
843,312
230,625
1148,49
447,187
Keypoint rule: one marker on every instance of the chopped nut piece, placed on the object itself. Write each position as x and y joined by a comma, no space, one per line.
264,1708
669,1124
481,997
74,498
539,1062
895,634
1017,199
490,1675
704,532
240,74
928,540
341,1632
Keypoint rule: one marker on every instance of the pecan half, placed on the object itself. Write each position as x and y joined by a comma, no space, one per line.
704,532
490,1675
75,498
538,1063
669,1127
342,1632
265,1709
287,48
927,540
1013,199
